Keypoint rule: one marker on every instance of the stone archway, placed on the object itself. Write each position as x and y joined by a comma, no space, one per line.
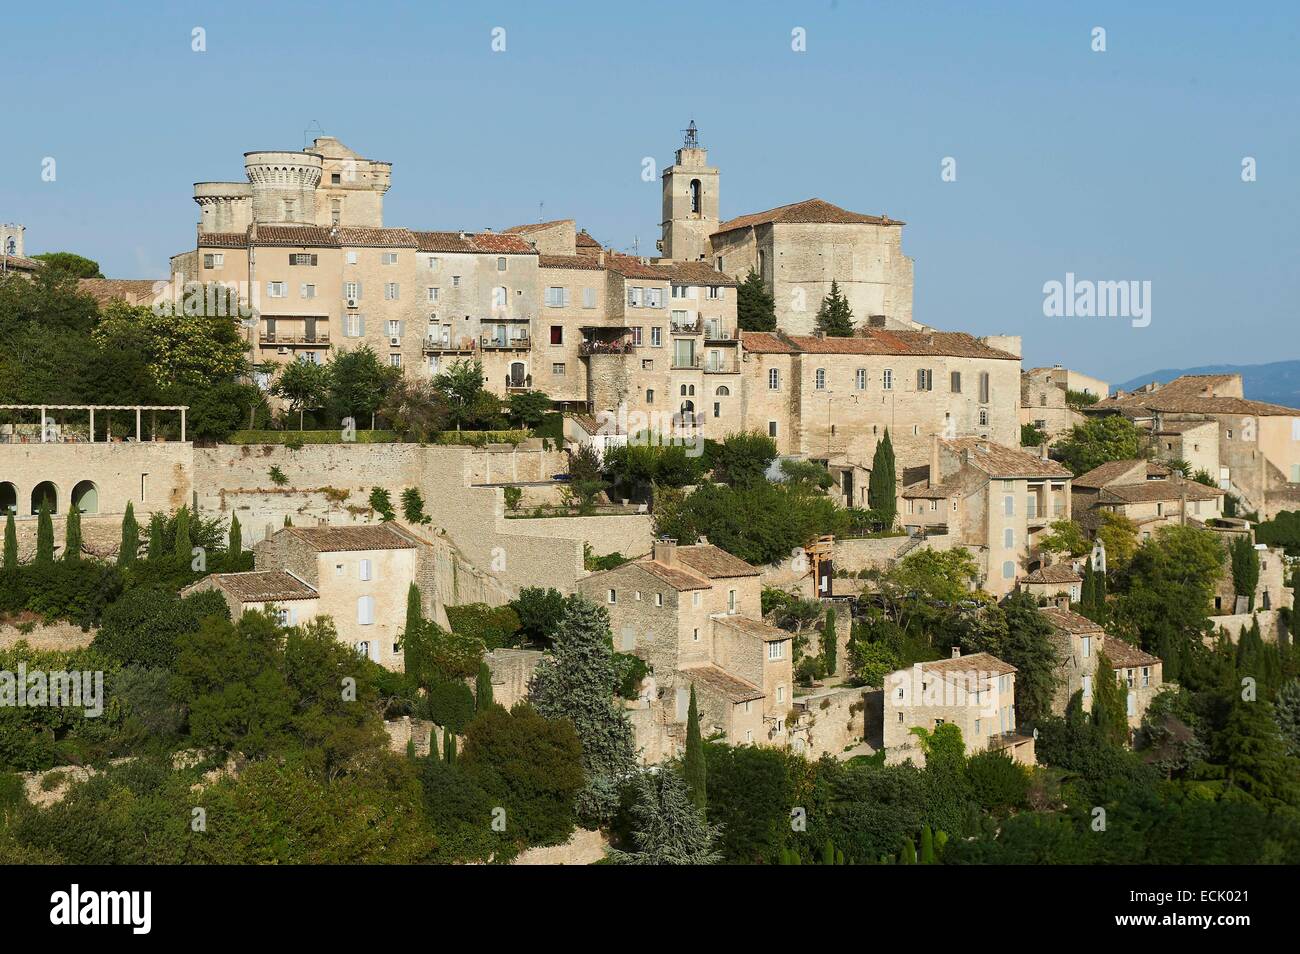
47,491
85,497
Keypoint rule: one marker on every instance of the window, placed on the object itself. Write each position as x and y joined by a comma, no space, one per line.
656,336
820,377
1008,538
696,193
1086,642
984,418
956,382
364,570
351,258
776,650
455,281
659,599
860,379
215,260
696,598
773,379
365,610
771,428
650,395
302,258
388,258
780,697
637,336
613,596
433,294
556,296
394,328
557,334
557,368
924,379
307,291
654,297
391,291
647,364
984,387
352,290
275,290
731,601
501,264
335,178
338,569
1087,686
354,326
635,295
589,298
887,379
500,296
695,635
717,409
1009,570
715,291
1009,506
1146,676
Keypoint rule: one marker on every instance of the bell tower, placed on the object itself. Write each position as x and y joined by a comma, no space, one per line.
690,190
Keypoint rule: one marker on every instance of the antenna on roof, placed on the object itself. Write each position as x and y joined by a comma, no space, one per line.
306,133
541,209
692,140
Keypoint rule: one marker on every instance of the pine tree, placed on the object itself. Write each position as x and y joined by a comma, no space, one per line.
155,536
755,307
235,545
694,770
72,536
483,688
1255,756
11,543
44,534
835,317
130,544
183,546
829,643
881,489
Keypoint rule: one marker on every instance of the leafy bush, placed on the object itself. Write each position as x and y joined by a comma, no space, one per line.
494,626
144,626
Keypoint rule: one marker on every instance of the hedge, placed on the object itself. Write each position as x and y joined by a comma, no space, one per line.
445,438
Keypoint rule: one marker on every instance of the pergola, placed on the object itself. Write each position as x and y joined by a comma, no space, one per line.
92,408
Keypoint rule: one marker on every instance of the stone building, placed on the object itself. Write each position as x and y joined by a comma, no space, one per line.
13,256
1053,581
1258,442
1146,492
993,500
1045,398
1078,642
693,613
976,693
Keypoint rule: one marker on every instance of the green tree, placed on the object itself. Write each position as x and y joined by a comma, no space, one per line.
358,382
1287,711
1110,703
694,769
1245,568
483,688
72,535
381,502
829,643
755,307
1097,441
235,542
743,458
528,408
304,385
1254,755
130,545
1065,536
579,681
413,507
416,410
539,611
1088,591
882,490
44,534
156,549
183,546
835,317
11,543
1032,436
669,829
462,385
70,263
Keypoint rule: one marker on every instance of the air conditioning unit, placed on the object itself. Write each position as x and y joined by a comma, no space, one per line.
395,342
282,350
352,303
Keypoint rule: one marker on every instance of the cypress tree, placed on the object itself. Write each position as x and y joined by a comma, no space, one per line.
44,534
1110,703
235,545
881,489
1099,609
829,647
130,544
1088,590
11,543
72,536
155,537
909,853
693,767
448,746
183,545
828,853
927,846
414,612
835,317
483,688
287,521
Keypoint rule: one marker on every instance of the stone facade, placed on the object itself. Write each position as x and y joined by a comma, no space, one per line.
1079,642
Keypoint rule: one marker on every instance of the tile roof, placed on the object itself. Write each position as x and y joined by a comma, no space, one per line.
1114,470
223,240
1193,394
496,243
1070,622
318,236
1152,490
535,226
982,663
809,211
631,267
362,537
133,291
1055,573
377,238
753,627
723,683
876,341
483,243
263,586
21,263
997,460
584,262
714,562
1124,655
1182,427
696,273
584,240
678,578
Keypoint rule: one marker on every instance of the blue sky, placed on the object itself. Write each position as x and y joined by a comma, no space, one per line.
1122,165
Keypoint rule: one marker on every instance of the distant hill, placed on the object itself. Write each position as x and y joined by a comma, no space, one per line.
1277,382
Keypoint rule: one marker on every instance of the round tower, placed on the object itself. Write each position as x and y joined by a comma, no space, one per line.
224,206
283,186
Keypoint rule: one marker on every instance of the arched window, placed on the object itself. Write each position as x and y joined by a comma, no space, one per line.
8,498
683,390
47,492
691,390
85,497
723,391
518,374
697,195
686,418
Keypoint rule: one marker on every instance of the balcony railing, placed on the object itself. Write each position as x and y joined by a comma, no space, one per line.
685,327
712,333
605,347
686,361
510,343
320,338
447,346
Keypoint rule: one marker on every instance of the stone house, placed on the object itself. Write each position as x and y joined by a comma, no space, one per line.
975,692
1146,492
1052,581
995,501
1044,402
694,614
1078,642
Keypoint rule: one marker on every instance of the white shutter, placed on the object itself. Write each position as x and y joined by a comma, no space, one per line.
401,327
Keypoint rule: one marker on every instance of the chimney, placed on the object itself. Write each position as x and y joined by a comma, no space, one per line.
665,551
956,652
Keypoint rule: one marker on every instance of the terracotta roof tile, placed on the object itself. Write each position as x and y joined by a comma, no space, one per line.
362,537
535,226
753,627
584,262
1124,655
584,240
679,578
997,460
875,341
223,240
1114,470
377,238
724,684
1070,622
1152,490
812,211
696,273
1056,573
714,562
133,291
264,586
956,666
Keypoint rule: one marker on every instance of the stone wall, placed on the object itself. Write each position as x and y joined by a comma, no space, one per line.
1235,623
830,721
